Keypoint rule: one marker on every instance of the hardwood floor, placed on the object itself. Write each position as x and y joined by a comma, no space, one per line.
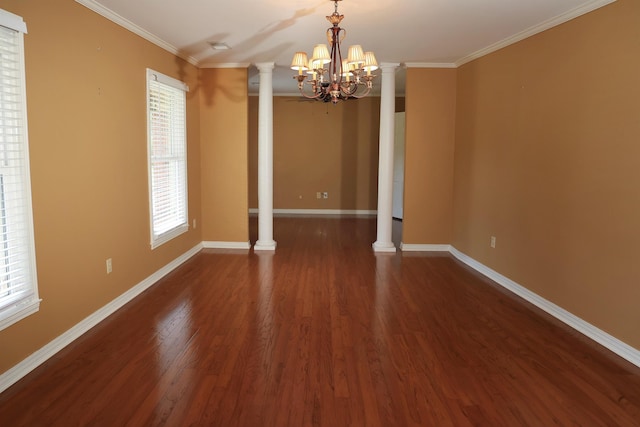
325,333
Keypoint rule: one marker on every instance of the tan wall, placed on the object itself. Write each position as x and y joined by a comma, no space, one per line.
429,151
87,134
547,161
224,135
321,147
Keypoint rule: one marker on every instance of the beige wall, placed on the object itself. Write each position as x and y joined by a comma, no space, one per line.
87,134
547,149
320,147
224,139
429,148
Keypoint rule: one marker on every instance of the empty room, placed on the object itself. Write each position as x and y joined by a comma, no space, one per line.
319,213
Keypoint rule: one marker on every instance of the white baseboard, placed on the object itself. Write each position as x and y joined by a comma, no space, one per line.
226,245
13,375
615,345
356,212
411,247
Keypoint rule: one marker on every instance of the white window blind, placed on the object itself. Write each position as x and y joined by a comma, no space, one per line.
166,107
18,284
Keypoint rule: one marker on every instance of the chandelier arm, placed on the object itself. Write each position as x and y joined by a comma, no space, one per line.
337,85
368,87
314,85
349,88
317,94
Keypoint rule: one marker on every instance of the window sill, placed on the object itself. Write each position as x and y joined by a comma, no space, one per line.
20,310
165,237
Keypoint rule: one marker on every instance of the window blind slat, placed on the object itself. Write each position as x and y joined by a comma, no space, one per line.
18,287
167,154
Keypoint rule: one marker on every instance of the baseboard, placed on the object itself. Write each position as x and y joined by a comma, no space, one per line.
13,375
410,247
355,212
615,345
226,245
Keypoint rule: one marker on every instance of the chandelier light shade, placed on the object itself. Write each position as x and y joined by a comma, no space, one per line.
370,63
356,55
321,54
330,76
299,62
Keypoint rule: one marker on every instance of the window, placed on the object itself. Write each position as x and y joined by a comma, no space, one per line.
167,151
18,284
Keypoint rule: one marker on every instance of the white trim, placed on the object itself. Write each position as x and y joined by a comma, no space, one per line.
13,375
615,345
226,245
168,236
383,248
358,212
167,80
26,302
225,65
430,65
543,26
125,23
411,247
550,23
157,77
12,21
19,311
265,247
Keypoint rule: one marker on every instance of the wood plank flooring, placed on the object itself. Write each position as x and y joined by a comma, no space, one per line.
325,333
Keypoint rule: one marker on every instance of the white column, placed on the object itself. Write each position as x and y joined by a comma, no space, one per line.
385,162
265,159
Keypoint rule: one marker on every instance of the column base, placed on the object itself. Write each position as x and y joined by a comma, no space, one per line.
383,247
265,246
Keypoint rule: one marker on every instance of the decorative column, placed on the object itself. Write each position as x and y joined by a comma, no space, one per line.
385,162
265,159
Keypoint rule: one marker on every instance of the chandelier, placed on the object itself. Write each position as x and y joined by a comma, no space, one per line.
342,79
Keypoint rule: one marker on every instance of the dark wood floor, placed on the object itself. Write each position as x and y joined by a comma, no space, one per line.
324,332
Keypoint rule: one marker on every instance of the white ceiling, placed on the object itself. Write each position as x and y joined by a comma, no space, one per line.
418,32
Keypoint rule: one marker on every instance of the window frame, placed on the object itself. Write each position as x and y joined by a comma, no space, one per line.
26,300
177,160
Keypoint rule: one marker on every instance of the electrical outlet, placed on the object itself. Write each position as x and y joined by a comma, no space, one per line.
194,223
493,241
109,266
325,195
318,195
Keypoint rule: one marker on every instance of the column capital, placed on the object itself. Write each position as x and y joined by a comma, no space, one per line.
389,66
265,66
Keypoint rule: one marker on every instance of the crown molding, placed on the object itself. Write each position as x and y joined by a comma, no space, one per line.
543,26
225,65
430,65
550,23
125,23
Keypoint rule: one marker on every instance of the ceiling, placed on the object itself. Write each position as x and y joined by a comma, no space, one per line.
442,33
